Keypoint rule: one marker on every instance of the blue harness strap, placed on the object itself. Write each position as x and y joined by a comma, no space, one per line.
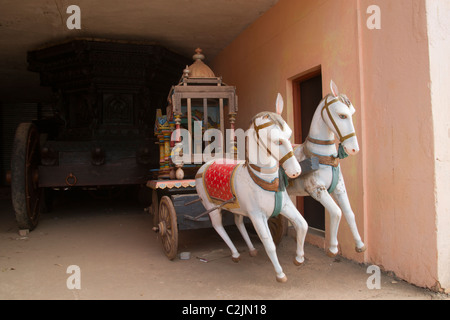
335,179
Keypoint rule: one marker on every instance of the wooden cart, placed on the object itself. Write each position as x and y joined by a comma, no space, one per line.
199,96
101,132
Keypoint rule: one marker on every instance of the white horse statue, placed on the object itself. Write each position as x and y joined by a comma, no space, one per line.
255,188
333,118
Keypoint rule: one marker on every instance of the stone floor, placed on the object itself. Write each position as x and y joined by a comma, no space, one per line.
119,257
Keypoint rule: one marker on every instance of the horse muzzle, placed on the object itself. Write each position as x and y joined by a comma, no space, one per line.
351,146
292,167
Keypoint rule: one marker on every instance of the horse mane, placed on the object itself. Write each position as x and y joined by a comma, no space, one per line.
341,97
275,117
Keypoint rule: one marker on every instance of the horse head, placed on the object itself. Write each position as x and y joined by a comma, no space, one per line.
337,113
272,135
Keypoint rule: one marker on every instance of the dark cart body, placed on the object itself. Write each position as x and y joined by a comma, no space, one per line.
101,134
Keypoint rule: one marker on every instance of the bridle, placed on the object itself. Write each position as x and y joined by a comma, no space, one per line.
326,108
269,152
331,160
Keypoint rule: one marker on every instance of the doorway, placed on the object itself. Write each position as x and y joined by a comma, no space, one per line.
307,91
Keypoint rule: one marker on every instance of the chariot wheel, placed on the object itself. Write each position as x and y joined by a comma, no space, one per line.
167,227
25,192
278,228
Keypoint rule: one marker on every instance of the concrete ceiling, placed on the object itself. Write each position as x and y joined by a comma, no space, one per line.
180,25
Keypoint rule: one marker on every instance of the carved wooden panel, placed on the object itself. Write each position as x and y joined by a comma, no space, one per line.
106,96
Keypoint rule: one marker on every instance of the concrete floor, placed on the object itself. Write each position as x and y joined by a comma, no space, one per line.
121,258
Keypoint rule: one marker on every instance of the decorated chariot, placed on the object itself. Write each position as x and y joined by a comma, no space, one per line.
199,102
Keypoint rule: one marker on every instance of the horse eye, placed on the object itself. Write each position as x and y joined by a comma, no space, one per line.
343,116
279,142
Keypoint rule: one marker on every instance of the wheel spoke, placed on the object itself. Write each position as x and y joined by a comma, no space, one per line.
167,245
163,213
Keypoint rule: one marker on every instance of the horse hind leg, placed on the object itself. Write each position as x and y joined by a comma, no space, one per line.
216,220
239,220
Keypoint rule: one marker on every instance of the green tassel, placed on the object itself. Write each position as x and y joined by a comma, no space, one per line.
341,152
284,179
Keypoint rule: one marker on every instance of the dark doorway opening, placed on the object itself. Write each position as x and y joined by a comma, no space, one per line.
307,92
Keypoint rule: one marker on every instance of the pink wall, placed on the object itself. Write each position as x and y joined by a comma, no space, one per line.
293,37
399,127
438,13
386,74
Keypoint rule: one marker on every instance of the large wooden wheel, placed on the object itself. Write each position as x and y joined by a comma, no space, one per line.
167,227
25,191
278,228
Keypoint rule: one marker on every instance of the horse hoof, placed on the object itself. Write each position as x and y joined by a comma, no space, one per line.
331,254
236,260
361,250
298,264
253,253
282,280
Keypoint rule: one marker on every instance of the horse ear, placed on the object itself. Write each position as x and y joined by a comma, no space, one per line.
279,104
334,89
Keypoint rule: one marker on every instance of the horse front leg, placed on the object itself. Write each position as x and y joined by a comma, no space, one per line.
263,231
321,194
301,227
341,196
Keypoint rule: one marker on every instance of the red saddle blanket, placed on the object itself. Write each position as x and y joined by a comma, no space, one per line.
218,180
